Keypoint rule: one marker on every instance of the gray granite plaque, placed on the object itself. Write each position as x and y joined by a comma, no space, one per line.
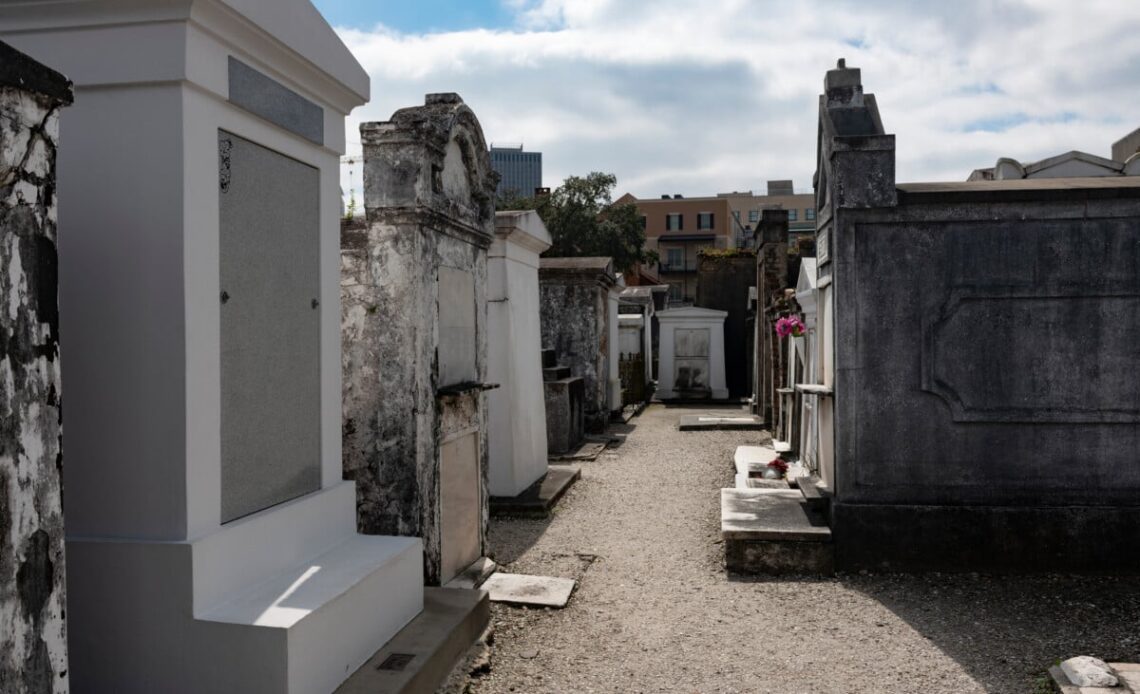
269,230
263,96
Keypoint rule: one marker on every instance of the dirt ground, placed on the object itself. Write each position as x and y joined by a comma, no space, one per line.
654,610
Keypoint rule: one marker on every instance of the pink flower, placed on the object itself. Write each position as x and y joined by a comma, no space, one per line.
790,325
782,328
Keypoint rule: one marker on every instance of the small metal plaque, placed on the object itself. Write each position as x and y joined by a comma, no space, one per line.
396,661
822,249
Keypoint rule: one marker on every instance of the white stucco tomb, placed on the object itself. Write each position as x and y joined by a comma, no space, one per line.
211,542
631,332
517,409
691,361
614,354
806,297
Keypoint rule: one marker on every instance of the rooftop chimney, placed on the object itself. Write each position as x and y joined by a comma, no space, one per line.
780,188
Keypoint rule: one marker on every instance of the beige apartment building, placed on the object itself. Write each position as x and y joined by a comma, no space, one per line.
678,227
745,208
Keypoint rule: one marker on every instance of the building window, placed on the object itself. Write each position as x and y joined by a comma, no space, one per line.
736,216
644,222
792,215
754,216
674,257
674,222
704,220
675,292
809,213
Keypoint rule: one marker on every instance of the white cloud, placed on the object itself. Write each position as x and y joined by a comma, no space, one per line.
676,97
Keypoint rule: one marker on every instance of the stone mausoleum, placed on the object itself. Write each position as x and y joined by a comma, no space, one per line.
211,540
415,333
579,307
977,353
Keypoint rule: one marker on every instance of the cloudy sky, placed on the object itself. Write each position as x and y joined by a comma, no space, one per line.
680,96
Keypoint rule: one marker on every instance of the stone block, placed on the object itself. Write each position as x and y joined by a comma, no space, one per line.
538,499
564,413
1086,671
770,514
984,538
772,557
538,591
420,656
721,422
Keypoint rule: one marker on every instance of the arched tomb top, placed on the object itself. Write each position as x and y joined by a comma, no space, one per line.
431,158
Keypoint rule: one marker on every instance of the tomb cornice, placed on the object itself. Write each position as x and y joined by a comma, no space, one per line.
296,43
427,217
522,237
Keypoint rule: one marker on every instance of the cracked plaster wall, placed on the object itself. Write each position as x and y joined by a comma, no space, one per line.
33,640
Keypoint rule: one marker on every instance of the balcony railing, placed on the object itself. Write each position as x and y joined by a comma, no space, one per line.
677,267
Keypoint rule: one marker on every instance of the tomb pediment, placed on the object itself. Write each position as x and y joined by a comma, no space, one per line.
438,164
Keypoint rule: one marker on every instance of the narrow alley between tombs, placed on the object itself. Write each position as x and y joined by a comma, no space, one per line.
654,610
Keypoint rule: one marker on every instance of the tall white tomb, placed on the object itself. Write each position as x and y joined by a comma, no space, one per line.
517,410
211,542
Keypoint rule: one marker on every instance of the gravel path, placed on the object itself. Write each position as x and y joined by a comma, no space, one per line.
655,612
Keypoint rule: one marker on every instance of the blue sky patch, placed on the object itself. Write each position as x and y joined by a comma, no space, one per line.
419,17
997,124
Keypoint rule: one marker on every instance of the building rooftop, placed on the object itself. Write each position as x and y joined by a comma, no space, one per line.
1036,188
598,263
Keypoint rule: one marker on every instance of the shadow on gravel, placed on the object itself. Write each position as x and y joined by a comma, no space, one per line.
618,433
702,404
509,538
1007,630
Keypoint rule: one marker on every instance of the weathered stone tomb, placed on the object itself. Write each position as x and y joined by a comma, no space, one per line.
415,333
580,323
33,646
565,398
211,539
977,401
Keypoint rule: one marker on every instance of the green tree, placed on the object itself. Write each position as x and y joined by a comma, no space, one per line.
583,221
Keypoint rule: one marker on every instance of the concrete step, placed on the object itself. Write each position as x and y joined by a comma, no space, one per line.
774,531
549,358
813,496
555,373
538,500
420,657
326,615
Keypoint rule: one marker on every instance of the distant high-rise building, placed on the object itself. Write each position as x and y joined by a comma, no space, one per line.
520,173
